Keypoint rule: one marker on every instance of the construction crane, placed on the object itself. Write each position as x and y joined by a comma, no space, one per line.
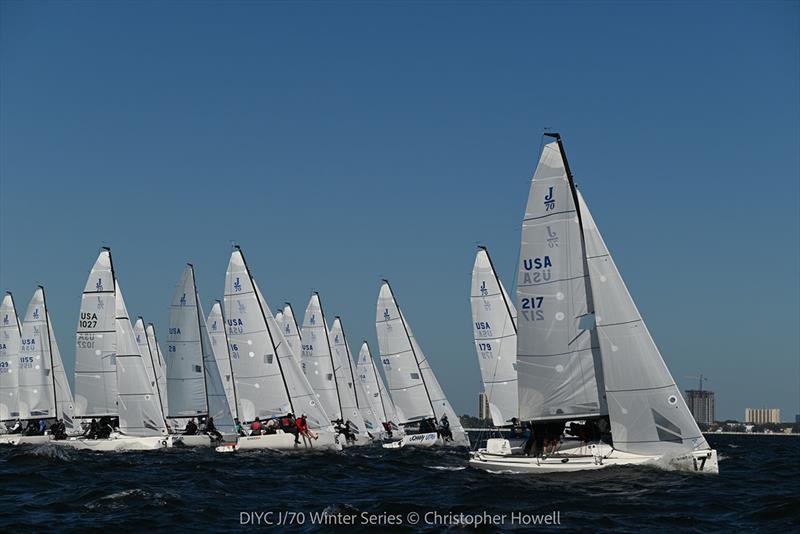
700,378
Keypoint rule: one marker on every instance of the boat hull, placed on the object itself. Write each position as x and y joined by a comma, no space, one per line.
496,458
415,440
283,442
118,443
19,439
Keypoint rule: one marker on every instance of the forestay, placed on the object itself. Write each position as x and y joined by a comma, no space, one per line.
10,340
317,359
95,350
555,360
494,329
647,411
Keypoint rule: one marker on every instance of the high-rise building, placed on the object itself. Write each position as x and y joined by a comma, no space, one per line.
483,407
760,416
701,404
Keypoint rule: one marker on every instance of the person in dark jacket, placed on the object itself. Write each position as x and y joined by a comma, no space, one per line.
191,428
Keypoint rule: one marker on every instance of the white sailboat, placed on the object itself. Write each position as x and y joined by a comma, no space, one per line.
372,425
494,325
269,382
159,364
102,350
44,392
580,333
412,383
327,374
291,332
10,343
194,383
222,353
377,394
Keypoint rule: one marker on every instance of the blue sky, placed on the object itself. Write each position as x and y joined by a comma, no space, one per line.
340,143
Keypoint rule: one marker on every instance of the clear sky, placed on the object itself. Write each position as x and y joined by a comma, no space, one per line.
340,143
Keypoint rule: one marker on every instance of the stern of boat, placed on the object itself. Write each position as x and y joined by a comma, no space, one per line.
704,461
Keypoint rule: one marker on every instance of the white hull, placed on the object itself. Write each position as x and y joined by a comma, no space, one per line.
415,440
197,440
497,458
19,439
283,442
118,442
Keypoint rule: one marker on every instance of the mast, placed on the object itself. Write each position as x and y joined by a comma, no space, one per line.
153,363
264,316
413,352
228,352
349,360
377,381
50,351
330,353
598,364
200,335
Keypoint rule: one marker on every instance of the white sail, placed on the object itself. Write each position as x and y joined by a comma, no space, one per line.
647,411
374,387
160,366
412,383
139,408
95,350
318,361
219,345
36,391
186,381
218,406
555,354
495,333
150,359
260,389
301,394
354,398
65,404
291,332
10,342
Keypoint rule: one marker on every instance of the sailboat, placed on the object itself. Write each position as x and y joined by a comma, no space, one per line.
194,384
150,356
327,374
269,381
372,426
110,375
412,384
43,390
222,353
159,364
10,342
494,321
377,394
583,350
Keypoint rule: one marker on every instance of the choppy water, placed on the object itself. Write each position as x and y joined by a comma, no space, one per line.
50,487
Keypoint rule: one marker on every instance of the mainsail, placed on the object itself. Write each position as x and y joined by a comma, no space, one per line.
318,362
375,390
148,356
647,411
160,365
219,345
495,332
10,342
139,408
347,378
95,349
412,383
556,356
291,332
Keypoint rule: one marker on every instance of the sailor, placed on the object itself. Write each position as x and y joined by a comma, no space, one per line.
238,426
105,428
31,428
191,428
93,429
41,428
211,429
17,428
302,428
291,427
387,427
59,430
255,427
349,435
444,429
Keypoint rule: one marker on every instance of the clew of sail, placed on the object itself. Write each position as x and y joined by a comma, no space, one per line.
495,333
647,411
555,353
10,343
95,348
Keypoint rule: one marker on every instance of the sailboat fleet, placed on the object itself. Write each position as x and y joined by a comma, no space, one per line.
570,372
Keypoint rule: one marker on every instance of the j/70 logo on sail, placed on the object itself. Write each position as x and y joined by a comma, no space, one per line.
549,200
237,285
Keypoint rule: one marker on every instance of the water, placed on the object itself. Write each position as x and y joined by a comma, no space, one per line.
68,490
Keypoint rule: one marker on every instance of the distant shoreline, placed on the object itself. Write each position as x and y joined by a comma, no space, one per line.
704,433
